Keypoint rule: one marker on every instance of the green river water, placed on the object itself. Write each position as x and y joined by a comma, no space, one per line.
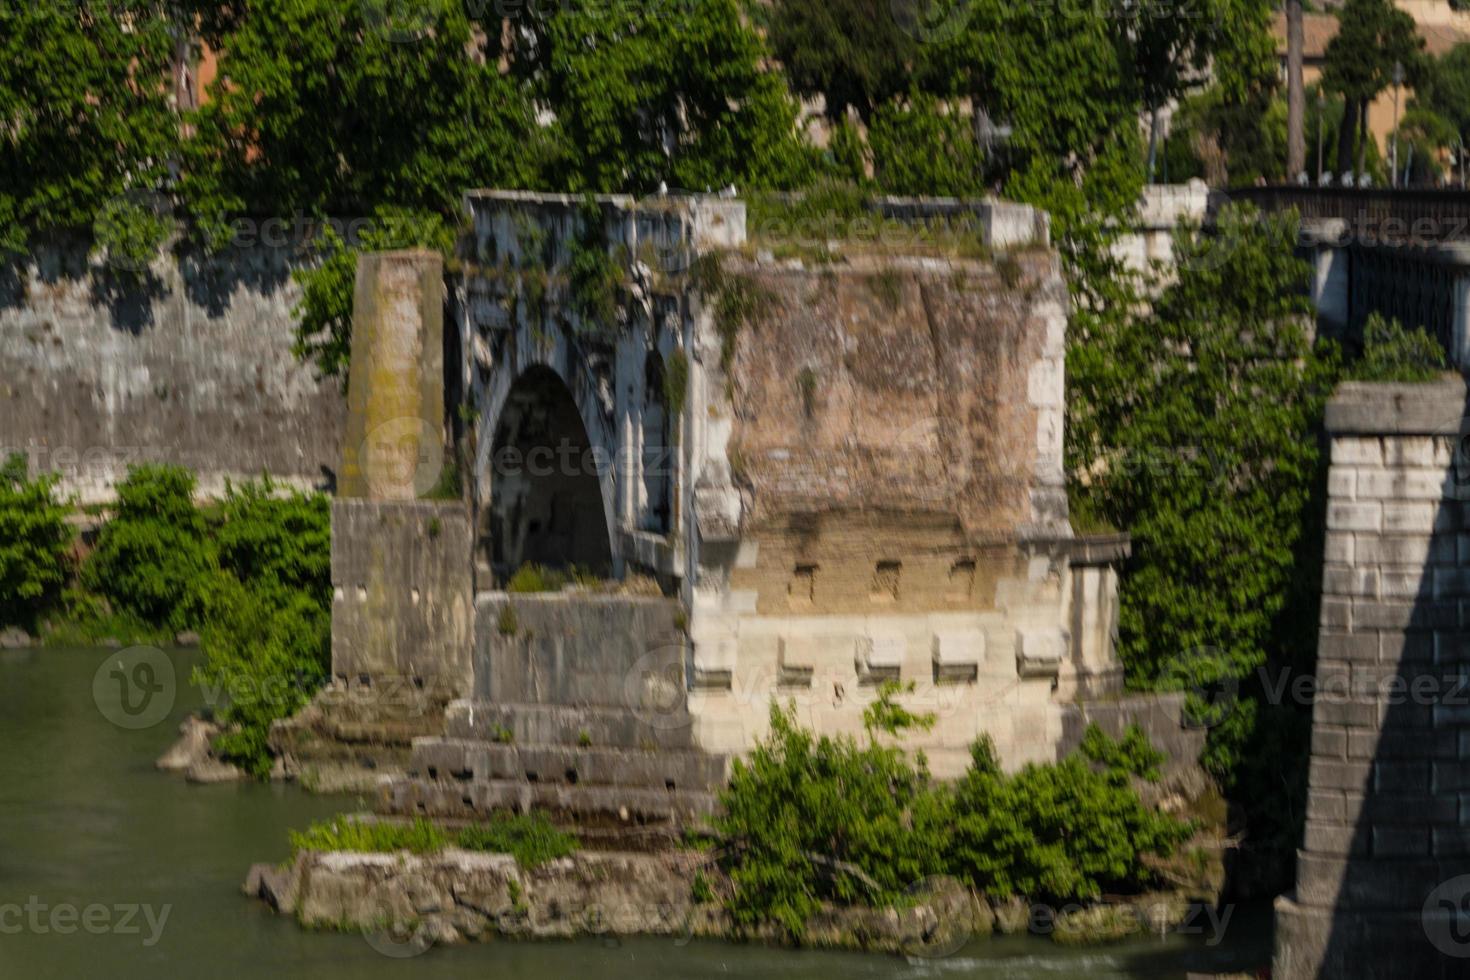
87,825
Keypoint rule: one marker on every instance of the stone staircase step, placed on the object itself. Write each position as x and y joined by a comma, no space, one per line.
555,724
469,761
479,800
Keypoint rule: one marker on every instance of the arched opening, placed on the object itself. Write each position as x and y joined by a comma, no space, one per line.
545,492
658,452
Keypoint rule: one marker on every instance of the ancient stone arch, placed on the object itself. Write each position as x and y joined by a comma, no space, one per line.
548,504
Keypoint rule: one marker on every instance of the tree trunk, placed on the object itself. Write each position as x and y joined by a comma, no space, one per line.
1296,95
1363,139
1153,142
1345,136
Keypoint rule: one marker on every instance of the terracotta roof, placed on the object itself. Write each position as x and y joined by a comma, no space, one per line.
1318,29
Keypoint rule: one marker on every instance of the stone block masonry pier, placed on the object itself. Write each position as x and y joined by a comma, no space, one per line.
1383,878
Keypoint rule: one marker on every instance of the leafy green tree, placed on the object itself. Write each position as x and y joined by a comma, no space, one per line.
1060,78
1195,428
154,554
920,149
1231,143
1444,88
85,121
324,108
1171,44
266,614
1359,63
643,96
278,543
267,654
34,543
852,53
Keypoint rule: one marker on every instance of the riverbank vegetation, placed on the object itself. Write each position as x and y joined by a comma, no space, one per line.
808,820
530,838
248,574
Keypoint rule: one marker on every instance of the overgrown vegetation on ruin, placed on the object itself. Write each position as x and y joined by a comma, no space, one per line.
810,819
531,838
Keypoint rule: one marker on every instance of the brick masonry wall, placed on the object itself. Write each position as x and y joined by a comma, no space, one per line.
1388,809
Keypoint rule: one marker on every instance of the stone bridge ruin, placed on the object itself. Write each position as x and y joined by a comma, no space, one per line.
779,474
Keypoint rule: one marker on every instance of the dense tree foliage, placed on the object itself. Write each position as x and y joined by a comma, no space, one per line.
853,54
85,120
321,109
1374,37
663,94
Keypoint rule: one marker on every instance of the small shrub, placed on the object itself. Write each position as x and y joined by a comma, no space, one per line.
1133,753
1392,353
536,578
155,551
1061,831
34,543
506,623
584,738
810,819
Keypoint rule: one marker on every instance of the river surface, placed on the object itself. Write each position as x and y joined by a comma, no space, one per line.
109,869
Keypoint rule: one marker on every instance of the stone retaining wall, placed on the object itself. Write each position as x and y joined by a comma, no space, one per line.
189,362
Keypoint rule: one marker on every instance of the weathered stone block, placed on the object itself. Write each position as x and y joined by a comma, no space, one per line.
1408,517
1400,842
1350,581
1345,516
402,592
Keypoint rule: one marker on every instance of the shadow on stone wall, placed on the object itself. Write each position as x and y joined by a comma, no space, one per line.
1383,887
